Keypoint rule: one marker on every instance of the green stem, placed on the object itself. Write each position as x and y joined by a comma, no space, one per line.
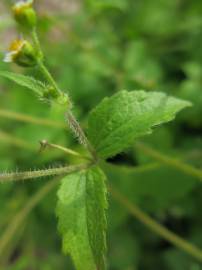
80,135
66,150
5,137
11,247
18,176
18,219
75,126
73,123
136,169
156,227
30,119
36,42
48,77
41,65
181,166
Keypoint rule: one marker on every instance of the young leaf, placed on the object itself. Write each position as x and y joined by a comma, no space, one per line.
117,121
26,81
82,222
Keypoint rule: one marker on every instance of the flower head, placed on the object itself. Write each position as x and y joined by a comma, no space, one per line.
22,53
24,13
20,5
14,50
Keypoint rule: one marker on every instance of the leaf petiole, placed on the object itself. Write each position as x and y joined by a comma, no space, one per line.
44,144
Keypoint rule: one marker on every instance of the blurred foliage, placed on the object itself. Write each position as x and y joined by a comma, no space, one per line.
103,47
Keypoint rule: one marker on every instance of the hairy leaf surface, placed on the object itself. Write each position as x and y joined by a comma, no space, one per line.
82,222
37,86
117,121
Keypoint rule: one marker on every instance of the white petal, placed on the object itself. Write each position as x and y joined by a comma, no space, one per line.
22,3
9,57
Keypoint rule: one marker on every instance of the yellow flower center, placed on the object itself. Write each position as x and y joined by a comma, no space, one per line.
16,45
20,6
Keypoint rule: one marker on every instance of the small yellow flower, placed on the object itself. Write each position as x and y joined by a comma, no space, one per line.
14,49
20,5
22,53
24,13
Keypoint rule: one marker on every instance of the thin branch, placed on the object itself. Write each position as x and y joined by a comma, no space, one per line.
79,133
162,158
156,227
11,247
36,42
136,169
48,76
74,124
18,219
72,121
5,137
30,119
45,144
18,176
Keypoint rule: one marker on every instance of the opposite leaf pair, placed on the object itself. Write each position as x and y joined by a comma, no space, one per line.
112,127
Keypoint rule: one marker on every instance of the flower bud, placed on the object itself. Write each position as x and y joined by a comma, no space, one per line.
50,93
24,14
63,99
22,53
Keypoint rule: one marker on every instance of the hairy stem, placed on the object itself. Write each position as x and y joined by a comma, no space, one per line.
156,227
75,126
18,176
181,166
79,133
73,123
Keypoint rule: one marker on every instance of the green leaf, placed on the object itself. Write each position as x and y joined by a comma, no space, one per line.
117,121
82,222
26,81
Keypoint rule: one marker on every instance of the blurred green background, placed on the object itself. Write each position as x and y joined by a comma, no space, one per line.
95,48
